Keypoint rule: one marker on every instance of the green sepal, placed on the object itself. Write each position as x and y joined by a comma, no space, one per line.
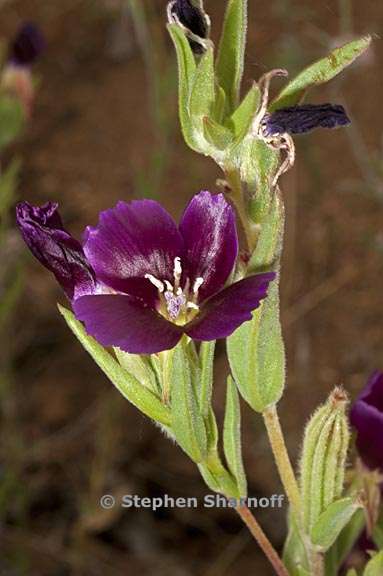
187,421
216,134
269,244
218,113
186,71
320,72
352,572
217,477
375,565
241,119
259,164
140,367
231,54
257,355
332,521
130,388
346,541
232,437
295,556
202,94
12,119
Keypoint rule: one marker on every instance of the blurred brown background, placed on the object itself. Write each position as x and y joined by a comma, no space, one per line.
105,128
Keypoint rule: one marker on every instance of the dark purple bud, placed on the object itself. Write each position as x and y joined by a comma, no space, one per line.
193,19
27,45
301,119
43,232
367,418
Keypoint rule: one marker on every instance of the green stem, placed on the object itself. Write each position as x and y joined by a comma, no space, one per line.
317,564
282,460
166,364
262,540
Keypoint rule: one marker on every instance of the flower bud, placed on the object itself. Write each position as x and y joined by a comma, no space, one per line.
324,457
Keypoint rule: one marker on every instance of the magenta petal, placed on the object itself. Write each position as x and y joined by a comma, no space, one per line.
211,242
367,418
121,321
226,311
131,240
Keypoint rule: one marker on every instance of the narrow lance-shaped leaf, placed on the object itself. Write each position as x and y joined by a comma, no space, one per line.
207,366
202,95
186,418
186,71
129,387
332,521
139,367
232,437
242,117
231,54
320,72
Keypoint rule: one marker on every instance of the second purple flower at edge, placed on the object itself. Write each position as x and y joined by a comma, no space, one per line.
139,282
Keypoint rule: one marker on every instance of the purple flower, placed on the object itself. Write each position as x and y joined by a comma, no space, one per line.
27,45
301,119
192,18
154,281
367,418
51,244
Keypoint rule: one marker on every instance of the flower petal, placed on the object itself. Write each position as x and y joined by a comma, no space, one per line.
211,241
122,321
226,311
304,118
367,418
27,46
43,232
131,240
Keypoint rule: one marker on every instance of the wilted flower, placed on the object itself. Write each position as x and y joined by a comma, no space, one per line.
367,418
139,282
27,45
24,51
193,19
304,118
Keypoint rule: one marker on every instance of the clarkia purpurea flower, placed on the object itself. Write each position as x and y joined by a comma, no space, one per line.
367,419
139,281
27,45
193,19
304,118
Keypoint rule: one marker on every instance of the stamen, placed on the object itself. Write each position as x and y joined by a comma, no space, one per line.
177,273
197,285
192,305
157,283
168,286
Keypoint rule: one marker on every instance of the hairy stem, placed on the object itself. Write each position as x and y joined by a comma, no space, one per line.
282,460
262,540
317,564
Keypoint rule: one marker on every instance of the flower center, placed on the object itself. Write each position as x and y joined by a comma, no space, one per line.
177,304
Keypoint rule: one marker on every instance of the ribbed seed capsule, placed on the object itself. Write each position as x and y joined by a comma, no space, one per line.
324,456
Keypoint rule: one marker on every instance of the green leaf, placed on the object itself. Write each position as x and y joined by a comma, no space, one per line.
231,55
294,553
257,355
377,536
140,367
232,437
207,367
12,120
352,572
202,96
348,538
269,242
241,120
259,164
125,383
216,134
332,521
187,421
375,566
186,71
219,105
320,72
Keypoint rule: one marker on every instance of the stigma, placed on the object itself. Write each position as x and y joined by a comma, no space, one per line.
177,304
